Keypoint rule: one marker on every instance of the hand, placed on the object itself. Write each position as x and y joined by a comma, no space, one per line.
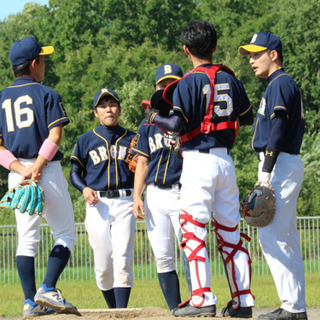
138,209
264,177
90,196
29,172
150,113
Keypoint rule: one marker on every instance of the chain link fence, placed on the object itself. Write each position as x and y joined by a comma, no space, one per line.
80,266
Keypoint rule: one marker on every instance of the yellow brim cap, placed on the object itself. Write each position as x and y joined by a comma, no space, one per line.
46,50
168,77
245,50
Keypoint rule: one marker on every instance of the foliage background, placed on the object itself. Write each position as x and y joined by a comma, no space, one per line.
118,44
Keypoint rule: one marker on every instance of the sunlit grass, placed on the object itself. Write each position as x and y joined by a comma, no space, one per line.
86,295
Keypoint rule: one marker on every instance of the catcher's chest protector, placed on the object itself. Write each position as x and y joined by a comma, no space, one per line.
206,124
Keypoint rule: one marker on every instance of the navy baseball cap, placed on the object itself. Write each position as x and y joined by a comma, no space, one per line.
102,93
172,71
27,49
262,41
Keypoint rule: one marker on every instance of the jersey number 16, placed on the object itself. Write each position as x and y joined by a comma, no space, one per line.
23,117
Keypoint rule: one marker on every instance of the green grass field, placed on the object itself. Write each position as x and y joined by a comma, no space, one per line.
86,295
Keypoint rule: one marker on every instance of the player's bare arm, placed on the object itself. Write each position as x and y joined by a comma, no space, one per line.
54,139
139,186
18,167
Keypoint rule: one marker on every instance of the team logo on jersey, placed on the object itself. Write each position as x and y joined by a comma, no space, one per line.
102,154
158,141
63,108
262,107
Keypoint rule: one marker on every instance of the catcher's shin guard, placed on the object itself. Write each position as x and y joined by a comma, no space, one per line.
231,252
193,244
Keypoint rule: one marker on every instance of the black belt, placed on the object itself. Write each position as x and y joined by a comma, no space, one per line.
166,186
115,193
207,150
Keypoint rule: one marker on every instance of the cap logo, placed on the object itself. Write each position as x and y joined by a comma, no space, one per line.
104,90
254,38
167,69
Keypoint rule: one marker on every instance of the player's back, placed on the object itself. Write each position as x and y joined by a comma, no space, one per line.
28,111
191,98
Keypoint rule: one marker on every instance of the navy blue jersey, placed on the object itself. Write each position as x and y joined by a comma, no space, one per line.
101,153
164,166
28,111
191,99
281,95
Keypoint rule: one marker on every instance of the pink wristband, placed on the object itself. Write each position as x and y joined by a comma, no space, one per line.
48,149
6,158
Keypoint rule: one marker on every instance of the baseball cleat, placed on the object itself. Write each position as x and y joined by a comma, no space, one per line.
190,311
32,309
281,314
53,299
242,312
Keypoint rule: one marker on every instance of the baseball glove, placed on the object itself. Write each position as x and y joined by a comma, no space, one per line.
259,207
150,113
26,196
132,157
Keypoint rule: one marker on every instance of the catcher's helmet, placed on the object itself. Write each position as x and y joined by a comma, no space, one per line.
157,102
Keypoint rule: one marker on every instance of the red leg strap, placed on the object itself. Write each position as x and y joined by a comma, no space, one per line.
200,291
188,218
228,257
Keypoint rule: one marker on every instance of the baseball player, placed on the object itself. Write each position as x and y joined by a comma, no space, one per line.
31,121
159,168
208,104
278,133
99,171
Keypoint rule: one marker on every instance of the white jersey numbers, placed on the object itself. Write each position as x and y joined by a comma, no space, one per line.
22,116
223,105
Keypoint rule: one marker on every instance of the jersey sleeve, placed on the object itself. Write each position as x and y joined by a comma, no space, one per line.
180,99
76,156
143,141
245,106
56,113
278,98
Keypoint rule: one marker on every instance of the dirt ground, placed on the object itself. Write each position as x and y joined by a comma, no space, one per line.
145,314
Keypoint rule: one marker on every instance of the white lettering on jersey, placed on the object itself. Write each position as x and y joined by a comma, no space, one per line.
94,157
262,107
113,151
103,153
166,140
158,142
152,145
122,153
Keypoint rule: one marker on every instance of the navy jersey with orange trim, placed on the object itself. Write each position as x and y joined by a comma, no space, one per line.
191,98
281,95
28,111
164,166
101,153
